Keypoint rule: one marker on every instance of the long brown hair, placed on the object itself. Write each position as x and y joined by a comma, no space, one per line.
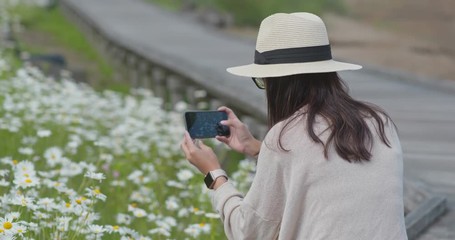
326,95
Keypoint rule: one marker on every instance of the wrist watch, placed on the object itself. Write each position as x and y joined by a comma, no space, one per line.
212,176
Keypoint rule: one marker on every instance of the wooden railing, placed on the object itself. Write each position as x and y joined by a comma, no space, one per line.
169,80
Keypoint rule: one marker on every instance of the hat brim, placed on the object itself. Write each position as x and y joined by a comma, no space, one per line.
286,69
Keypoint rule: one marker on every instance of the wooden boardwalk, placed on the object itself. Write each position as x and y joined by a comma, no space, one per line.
425,116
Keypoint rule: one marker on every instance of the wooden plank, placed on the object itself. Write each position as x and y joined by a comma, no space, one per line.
426,213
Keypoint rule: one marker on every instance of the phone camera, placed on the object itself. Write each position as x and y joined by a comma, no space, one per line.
222,130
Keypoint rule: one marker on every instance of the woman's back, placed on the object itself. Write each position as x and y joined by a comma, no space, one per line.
332,198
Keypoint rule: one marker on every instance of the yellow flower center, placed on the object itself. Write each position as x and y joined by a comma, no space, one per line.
15,162
134,205
97,191
26,175
57,184
80,200
2,230
7,225
201,224
28,180
196,209
116,227
53,156
19,231
68,205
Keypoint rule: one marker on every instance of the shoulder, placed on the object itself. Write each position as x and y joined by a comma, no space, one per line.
290,125
293,131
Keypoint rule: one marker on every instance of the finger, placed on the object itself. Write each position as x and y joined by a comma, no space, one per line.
202,145
189,141
228,111
234,122
185,149
197,143
223,109
222,139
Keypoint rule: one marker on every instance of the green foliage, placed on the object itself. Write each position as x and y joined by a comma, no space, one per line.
251,12
53,22
168,4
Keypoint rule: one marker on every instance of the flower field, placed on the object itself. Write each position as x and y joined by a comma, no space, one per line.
76,163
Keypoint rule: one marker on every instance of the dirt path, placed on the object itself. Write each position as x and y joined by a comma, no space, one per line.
414,36
411,35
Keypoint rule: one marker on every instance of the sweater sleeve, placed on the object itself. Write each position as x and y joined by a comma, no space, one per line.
258,214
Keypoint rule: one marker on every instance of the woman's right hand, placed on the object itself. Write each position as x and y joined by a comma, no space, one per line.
240,138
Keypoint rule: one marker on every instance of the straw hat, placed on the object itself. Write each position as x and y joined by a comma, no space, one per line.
289,44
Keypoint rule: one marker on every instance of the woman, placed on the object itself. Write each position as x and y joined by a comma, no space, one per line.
330,167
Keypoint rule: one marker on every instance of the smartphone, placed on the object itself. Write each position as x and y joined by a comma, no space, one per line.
206,124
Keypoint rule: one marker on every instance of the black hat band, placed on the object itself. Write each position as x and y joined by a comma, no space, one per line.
293,55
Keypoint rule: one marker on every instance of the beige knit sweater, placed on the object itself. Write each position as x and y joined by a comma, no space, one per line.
301,195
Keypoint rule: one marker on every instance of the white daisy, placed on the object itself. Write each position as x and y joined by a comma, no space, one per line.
8,225
123,219
172,183
24,168
160,231
180,106
70,169
4,172
172,204
139,213
212,215
53,156
25,151
184,175
43,133
96,193
113,228
95,176
26,181
4,183
195,230
63,223
138,177
96,229
183,212
21,200
118,183
46,203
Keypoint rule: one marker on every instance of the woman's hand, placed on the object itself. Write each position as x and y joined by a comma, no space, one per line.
240,138
200,156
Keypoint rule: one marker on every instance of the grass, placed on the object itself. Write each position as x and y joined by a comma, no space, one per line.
251,12
172,5
52,23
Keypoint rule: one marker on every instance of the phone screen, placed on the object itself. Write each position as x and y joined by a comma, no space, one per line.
206,124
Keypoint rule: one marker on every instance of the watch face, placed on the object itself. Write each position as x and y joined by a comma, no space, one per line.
208,180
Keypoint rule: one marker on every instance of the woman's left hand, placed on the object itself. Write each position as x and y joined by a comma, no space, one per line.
200,156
